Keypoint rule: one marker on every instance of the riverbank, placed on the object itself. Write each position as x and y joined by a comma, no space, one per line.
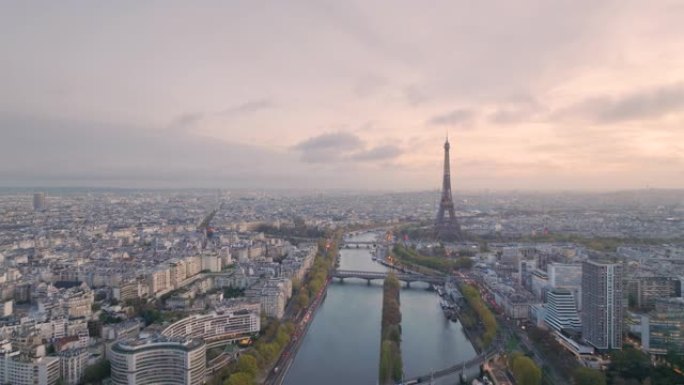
310,295
277,374
478,321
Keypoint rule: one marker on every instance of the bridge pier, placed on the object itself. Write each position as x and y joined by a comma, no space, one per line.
368,282
408,284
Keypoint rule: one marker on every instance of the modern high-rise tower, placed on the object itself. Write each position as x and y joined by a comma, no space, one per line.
446,225
602,310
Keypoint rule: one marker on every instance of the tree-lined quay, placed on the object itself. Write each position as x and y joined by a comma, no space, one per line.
524,370
435,264
477,318
391,366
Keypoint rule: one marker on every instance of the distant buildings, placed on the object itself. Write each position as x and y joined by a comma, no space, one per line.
663,328
75,302
272,294
6,308
18,368
39,201
158,360
516,304
567,276
602,305
298,262
643,291
72,364
60,274
122,330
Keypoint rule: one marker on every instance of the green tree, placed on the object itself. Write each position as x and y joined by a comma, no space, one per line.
630,363
97,372
240,378
385,362
302,299
525,371
474,300
588,376
268,351
315,286
393,333
248,364
296,285
397,365
282,338
233,292
391,314
464,263
150,316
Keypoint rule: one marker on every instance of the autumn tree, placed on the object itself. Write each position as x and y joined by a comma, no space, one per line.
525,371
240,378
248,364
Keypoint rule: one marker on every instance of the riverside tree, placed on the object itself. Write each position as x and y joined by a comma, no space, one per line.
391,367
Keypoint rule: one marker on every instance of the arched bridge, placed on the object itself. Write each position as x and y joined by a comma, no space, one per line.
358,244
405,277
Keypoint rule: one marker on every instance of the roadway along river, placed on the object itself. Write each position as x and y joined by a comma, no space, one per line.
343,343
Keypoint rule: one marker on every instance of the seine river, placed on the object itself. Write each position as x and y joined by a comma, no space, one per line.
343,342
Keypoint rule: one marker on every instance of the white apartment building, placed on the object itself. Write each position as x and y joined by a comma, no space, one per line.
72,364
17,369
158,360
224,322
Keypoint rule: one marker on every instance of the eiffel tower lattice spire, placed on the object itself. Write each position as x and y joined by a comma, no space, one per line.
446,224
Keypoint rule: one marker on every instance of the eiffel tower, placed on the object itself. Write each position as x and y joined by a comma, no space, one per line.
446,225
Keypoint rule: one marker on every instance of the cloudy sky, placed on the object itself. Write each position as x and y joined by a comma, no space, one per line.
535,94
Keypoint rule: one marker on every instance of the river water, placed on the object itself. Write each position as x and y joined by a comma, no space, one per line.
342,345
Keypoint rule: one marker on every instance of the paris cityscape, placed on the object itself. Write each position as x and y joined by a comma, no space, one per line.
325,193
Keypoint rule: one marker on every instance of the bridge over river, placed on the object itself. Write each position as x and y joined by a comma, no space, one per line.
358,244
404,277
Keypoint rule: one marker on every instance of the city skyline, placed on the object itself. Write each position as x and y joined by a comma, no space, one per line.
535,96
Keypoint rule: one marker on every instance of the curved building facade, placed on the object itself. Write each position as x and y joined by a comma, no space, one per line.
158,360
222,323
